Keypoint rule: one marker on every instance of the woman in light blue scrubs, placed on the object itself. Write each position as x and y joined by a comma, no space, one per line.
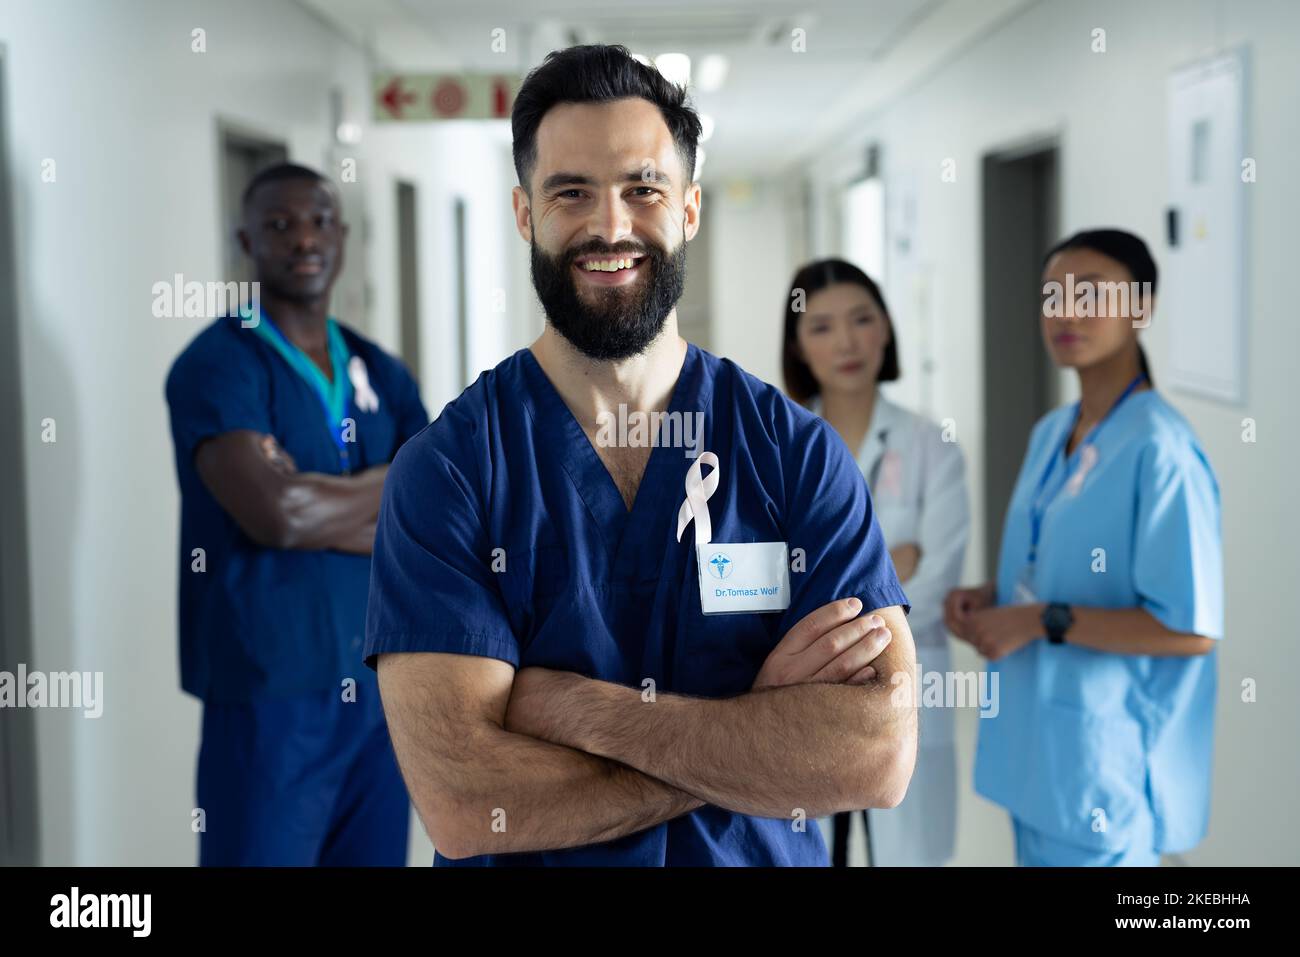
1102,626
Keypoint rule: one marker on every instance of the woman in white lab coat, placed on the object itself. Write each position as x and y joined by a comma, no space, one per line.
837,350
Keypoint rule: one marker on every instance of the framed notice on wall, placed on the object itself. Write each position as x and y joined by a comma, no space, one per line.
1202,291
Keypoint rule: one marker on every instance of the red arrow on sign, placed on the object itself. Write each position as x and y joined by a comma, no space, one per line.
394,97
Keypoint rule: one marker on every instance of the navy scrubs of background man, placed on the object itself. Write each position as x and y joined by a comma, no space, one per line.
295,764
555,693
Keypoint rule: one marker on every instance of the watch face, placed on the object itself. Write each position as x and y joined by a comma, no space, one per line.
1057,618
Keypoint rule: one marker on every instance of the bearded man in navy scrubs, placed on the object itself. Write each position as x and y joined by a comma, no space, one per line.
563,684
284,421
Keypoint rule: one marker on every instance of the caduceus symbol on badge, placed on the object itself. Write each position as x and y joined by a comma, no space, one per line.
720,565
757,573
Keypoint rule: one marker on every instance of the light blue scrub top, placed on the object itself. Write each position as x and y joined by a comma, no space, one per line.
1086,740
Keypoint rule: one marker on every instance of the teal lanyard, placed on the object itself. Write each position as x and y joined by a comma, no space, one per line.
334,395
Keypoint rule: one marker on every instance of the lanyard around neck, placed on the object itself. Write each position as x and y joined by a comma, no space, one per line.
333,394
1038,507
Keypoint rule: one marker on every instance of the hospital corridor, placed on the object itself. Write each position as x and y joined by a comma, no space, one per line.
856,433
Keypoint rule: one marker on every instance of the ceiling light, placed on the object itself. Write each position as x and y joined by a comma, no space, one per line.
676,67
713,72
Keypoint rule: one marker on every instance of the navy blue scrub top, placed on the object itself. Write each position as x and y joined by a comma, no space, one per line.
263,622
592,588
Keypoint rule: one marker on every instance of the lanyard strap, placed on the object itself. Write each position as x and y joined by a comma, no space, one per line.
1038,508
333,394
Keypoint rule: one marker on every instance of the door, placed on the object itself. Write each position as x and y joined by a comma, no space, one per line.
1020,225
18,807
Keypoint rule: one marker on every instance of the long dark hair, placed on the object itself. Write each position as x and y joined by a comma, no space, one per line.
800,383
1126,249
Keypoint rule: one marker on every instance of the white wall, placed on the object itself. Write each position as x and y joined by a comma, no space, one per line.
451,160
753,253
113,93
1036,73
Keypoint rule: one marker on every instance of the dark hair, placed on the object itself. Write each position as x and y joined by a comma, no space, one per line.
800,384
277,173
597,73
1126,249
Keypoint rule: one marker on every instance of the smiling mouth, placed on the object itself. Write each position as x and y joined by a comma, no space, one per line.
609,263
307,266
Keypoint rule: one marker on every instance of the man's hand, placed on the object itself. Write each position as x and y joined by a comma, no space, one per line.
905,558
820,745
831,645
961,604
997,632
258,484
277,457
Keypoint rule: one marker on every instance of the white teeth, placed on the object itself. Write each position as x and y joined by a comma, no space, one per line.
608,265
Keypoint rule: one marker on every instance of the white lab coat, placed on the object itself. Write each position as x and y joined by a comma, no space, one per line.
918,492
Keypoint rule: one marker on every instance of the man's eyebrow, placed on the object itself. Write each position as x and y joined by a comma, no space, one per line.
275,209
651,174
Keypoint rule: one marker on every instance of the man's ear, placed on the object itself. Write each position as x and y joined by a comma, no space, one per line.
523,213
244,242
694,198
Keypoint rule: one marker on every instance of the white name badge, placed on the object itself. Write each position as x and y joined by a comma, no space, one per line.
743,577
734,578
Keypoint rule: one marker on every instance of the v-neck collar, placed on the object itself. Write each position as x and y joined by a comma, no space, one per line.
620,527
334,391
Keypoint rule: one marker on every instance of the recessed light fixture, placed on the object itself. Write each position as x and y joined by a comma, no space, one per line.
676,67
712,74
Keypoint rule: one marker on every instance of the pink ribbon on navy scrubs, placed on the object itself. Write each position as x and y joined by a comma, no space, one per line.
698,491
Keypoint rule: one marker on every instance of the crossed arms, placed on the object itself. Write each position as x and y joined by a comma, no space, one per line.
829,725
260,487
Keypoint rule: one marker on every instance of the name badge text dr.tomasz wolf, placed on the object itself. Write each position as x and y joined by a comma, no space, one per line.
734,577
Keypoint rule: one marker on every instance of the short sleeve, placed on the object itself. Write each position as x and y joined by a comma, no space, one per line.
1177,547
412,415
431,584
212,390
830,519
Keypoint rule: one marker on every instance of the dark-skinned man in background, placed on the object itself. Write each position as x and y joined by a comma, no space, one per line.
284,422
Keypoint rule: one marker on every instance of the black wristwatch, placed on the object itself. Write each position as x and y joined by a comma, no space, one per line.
1057,618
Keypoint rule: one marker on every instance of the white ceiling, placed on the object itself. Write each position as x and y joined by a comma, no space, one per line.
776,105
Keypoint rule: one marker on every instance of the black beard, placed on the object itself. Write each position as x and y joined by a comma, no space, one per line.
625,321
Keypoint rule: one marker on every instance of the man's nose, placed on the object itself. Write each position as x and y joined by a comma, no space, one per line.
305,238
610,220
